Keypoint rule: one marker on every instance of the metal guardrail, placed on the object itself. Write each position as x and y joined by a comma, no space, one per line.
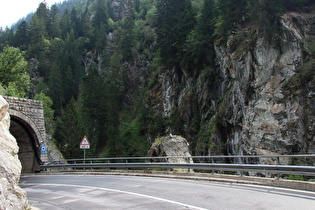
204,163
212,158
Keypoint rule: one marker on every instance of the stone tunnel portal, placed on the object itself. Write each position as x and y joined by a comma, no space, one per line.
28,128
29,149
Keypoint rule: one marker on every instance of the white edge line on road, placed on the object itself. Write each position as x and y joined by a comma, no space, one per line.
120,191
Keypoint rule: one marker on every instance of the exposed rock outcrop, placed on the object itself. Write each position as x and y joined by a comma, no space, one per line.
11,195
174,146
257,115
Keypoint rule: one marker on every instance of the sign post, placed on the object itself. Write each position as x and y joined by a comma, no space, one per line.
84,144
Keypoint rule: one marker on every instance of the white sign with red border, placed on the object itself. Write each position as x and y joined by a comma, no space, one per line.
85,144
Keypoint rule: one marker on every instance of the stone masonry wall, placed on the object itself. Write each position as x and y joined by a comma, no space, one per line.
31,111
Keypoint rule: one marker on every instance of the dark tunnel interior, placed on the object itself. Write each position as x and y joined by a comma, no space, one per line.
28,145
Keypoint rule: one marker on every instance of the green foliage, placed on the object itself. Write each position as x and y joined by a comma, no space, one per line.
132,137
295,177
174,21
231,15
266,14
53,28
199,44
69,131
93,99
126,35
206,143
14,69
101,13
21,37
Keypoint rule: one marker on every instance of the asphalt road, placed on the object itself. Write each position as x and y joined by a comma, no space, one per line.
130,192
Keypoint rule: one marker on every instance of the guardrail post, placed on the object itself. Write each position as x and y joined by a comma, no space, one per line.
212,161
278,163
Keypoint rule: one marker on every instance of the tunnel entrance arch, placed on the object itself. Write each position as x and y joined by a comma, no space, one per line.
29,145
28,128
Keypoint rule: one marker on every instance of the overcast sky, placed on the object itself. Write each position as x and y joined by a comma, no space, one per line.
13,10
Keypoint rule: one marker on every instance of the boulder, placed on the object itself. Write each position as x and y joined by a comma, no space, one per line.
172,146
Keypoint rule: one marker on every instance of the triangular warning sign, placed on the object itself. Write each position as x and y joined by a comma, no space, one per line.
85,141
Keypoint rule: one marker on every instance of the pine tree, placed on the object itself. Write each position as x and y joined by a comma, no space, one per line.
65,24
55,78
69,131
87,29
43,12
266,14
21,36
55,88
94,109
126,35
199,47
100,38
115,88
75,22
53,28
39,45
71,70
174,21
8,38
101,13
232,15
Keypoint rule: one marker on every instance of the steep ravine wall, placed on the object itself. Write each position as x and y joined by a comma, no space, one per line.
249,111
11,195
260,117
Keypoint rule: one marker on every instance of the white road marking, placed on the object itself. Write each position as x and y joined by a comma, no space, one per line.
120,191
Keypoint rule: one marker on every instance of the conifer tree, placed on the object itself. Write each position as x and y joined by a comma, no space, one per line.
43,12
126,38
87,29
174,21
21,36
39,45
75,22
69,131
231,15
65,24
94,110
53,28
199,47
101,13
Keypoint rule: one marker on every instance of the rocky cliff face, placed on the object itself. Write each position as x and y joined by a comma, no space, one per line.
259,115
264,103
11,195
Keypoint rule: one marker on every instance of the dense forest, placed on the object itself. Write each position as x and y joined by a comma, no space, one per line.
96,66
